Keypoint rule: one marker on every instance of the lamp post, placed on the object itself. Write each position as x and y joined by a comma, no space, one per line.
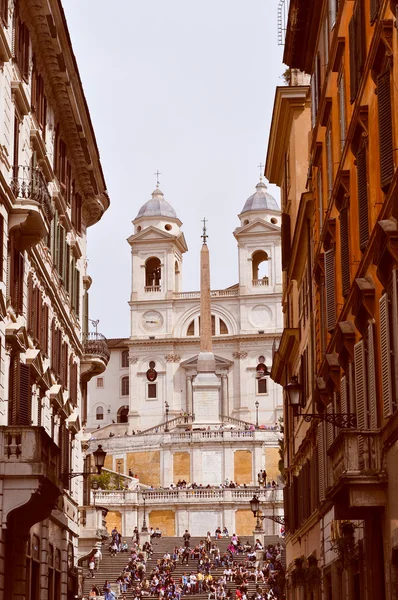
256,404
166,427
119,465
144,528
255,508
294,391
99,460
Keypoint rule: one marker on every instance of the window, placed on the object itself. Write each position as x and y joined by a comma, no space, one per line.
357,49
320,197
330,293
125,359
386,145
99,413
77,211
153,274
262,386
218,326
4,12
38,99
21,45
329,158
123,414
100,382
260,268
345,251
152,391
125,386
362,181
191,328
223,328
342,109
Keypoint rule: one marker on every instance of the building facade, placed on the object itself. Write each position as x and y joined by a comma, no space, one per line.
167,422
52,189
338,350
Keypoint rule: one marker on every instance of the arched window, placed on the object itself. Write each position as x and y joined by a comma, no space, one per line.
99,413
218,326
223,328
153,274
125,386
125,358
122,414
191,328
260,268
176,276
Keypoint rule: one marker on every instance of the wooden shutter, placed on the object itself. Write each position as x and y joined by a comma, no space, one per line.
1,247
374,9
67,268
385,128
14,390
360,385
286,241
385,356
77,301
321,462
4,11
353,58
25,396
329,159
372,392
363,215
61,251
30,318
330,291
329,427
342,110
344,252
343,395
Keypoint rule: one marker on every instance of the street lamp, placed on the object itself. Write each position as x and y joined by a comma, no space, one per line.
255,508
144,528
256,404
294,391
166,427
99,460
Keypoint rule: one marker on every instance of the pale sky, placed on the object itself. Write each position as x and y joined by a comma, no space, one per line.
187,88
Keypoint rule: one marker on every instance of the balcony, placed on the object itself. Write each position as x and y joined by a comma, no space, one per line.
32,210
356,480
30,466
149,289
96,355
264,282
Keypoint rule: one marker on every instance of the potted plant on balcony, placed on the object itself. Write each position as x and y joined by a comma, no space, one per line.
345,545
314,574
299,572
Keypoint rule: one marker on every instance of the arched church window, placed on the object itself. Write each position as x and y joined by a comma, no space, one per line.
223,328
125,386
153,274
99,413
122,414
125,358
260,273
191,328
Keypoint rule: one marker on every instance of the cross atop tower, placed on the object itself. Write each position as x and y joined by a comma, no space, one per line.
157,177
261,167
204,233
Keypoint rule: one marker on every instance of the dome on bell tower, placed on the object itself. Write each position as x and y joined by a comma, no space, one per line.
157,206
260,200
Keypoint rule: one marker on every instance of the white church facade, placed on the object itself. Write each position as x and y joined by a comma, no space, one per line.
173,407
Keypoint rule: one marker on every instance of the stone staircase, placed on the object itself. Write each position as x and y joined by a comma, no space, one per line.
111,567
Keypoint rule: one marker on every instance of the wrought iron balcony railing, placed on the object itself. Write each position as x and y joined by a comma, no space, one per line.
96,344
28,183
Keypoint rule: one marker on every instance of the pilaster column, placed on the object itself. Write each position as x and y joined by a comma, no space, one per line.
224,395
189,395
64,564
44,561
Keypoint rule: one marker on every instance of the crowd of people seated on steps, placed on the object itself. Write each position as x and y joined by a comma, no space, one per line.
183,485
239,566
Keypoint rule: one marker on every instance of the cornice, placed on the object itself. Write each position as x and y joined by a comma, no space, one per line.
53,49
288,99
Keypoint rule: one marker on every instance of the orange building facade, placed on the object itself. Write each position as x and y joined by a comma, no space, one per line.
333,150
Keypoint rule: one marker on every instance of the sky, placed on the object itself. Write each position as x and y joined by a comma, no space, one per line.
186,88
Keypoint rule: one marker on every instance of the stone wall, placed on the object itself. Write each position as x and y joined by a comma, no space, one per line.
145,466
164,519
243,466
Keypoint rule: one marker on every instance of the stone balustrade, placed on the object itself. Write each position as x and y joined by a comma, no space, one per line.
186,496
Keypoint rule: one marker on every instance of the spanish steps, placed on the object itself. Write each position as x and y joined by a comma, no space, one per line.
111,567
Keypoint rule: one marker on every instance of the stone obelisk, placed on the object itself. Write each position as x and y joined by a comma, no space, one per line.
206,386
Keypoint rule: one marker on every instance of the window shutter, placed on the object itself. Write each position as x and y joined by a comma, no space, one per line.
362,177
385,128
372,398
1,247
330,289
385,356
360,385
61,250
67,268
321,462
344,252
342,110
30,316
14,390
21,268
77,301
343,395
374,9
353,58
4,11
329,159
329,427
285,232
25,396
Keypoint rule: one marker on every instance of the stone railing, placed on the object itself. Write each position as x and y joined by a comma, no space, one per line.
187,496
167,425
213,294
96,344
355,453
260,282
152,288
28,183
